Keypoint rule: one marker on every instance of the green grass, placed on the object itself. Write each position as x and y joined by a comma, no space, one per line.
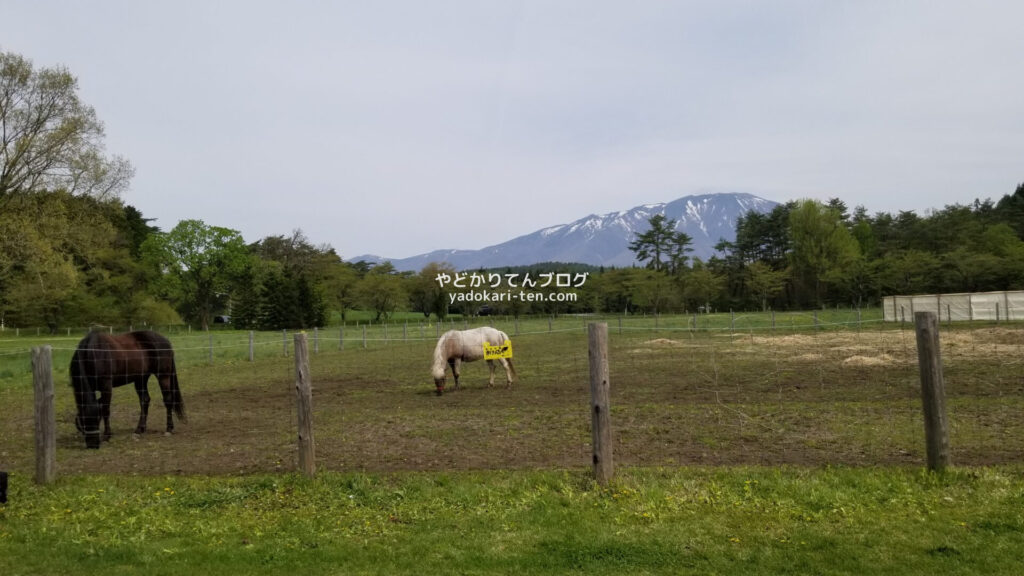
649,521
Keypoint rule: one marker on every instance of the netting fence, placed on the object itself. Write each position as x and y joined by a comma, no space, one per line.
1005,306
815,388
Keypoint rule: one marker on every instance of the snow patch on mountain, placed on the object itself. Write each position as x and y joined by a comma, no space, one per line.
603,240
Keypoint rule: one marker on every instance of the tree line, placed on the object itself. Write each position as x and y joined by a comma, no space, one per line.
72,253
806,254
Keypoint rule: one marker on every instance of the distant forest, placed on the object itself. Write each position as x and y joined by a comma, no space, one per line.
75,260
73,254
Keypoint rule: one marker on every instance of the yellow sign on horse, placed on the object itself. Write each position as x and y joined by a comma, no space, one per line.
496,352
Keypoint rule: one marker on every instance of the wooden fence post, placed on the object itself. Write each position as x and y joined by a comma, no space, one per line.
304,397
252,350
599,402
45,415
933,390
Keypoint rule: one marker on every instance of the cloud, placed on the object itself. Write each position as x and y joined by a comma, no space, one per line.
403,127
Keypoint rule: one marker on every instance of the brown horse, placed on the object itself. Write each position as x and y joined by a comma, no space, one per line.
103,362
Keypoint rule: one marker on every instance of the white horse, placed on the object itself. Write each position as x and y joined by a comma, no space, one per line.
458,346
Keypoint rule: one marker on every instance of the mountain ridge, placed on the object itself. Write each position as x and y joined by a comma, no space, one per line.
601,240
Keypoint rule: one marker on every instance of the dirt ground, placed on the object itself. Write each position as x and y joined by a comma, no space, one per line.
841,399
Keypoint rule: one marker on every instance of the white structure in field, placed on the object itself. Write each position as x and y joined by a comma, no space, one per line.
998,306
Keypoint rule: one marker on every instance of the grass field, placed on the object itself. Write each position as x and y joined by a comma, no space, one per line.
749,450
735,520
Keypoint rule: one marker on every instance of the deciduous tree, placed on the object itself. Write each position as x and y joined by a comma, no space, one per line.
198,263
382,291
49,139
821,244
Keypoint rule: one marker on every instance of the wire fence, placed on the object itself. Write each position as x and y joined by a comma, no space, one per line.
808,389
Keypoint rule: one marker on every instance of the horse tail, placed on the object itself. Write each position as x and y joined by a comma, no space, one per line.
511,367
176,400
160,350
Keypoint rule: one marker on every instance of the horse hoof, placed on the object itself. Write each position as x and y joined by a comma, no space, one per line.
168,433
135,436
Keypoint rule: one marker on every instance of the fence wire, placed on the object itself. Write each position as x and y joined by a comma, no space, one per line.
685,390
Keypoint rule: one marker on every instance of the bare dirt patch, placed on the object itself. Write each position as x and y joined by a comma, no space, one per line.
792,399
881,360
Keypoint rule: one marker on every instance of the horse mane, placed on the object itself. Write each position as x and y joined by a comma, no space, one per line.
84,354
81,377
444,350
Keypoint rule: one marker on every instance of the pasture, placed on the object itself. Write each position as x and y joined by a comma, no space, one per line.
696,415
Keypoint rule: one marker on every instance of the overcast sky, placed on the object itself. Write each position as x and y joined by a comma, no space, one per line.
396,128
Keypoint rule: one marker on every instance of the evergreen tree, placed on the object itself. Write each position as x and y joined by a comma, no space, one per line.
1010,209
247,302
661,247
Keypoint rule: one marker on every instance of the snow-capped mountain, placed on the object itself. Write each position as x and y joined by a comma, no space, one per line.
603,240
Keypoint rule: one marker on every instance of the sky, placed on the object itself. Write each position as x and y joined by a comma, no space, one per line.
397,128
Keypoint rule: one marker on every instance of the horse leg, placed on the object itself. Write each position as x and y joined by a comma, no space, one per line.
507,365
142,389
105,395
455,363
490,366
165,387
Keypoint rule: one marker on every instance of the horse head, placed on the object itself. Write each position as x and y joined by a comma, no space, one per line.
439,380
88,421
